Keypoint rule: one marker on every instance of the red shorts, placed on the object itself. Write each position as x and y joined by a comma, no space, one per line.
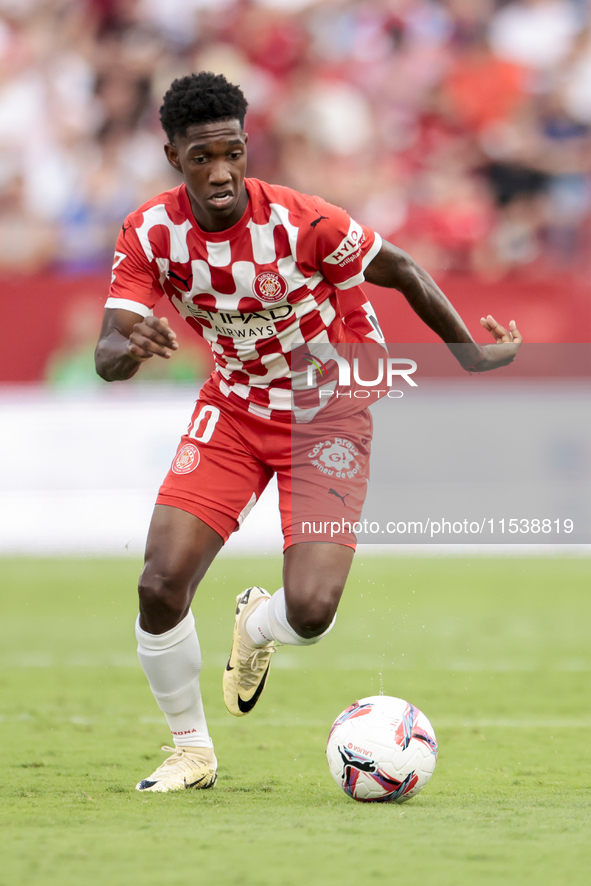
228,456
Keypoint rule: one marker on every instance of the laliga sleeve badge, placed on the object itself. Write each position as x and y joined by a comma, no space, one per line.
270,286
187,459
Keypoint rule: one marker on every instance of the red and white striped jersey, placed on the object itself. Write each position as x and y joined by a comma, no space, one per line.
288,273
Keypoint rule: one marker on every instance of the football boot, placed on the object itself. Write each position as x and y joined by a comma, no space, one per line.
247,669
185,768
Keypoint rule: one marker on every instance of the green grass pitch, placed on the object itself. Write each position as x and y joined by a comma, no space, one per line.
495,651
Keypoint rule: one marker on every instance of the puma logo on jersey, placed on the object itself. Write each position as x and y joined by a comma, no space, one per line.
338,495
183,280
318,220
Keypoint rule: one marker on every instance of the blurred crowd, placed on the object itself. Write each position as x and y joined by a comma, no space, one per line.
459,129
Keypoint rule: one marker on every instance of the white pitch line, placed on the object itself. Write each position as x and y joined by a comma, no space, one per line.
533,723
292,722
287,662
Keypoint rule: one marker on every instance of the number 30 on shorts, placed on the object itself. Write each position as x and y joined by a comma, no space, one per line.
204,424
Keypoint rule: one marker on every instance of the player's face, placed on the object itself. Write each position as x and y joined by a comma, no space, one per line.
212,159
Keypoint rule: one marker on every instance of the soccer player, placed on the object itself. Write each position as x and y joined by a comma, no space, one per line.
256,269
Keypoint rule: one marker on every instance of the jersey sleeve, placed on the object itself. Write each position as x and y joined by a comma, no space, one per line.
134,282
336,245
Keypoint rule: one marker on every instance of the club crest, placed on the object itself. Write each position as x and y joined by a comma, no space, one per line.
270,286
187,459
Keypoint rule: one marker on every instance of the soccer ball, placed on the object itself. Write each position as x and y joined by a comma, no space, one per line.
381,749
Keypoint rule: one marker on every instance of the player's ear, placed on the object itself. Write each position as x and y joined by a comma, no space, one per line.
172,155
245,134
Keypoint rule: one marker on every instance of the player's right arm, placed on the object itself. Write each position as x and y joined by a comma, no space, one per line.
127,340
130,334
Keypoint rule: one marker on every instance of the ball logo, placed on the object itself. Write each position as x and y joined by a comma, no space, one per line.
187,459
270,286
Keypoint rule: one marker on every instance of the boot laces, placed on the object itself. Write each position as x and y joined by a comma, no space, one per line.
180,759
254,663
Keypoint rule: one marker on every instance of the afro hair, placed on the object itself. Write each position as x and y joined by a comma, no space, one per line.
200,98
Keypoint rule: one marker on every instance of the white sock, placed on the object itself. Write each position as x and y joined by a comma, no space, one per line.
269,622
172,664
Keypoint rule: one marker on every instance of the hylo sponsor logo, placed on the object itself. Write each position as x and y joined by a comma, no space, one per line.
349,248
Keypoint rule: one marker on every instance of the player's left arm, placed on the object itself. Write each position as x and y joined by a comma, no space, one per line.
395,269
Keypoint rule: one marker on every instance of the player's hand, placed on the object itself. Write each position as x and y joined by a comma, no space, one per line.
504,350
153,336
